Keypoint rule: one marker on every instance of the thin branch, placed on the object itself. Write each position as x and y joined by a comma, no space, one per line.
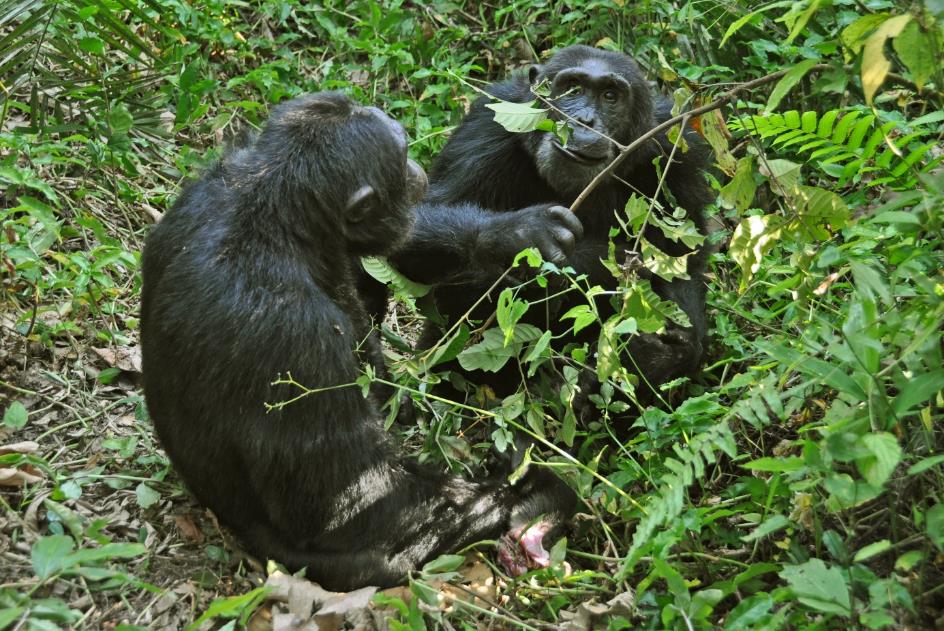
722,100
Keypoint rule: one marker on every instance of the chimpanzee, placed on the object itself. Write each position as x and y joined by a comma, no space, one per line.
252,274
493,193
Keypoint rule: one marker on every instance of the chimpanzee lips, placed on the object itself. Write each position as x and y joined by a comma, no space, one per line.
580,157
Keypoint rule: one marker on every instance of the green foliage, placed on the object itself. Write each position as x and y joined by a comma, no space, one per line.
850,145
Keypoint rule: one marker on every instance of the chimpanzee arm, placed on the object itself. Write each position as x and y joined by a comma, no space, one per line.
466,244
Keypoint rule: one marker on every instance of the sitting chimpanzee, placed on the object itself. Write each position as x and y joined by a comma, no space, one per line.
493,193
253,273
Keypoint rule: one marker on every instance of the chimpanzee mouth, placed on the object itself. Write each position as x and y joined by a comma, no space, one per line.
580,157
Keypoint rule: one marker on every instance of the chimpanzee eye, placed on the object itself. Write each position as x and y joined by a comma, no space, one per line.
611,96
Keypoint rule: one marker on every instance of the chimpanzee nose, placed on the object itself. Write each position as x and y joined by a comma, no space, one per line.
586,116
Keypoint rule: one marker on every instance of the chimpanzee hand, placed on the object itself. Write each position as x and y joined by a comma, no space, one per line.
552,229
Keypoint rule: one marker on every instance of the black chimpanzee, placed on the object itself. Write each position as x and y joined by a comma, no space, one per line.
493,193
253,273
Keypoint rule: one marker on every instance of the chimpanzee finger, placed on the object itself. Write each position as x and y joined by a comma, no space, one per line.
565,239
552,252
568,219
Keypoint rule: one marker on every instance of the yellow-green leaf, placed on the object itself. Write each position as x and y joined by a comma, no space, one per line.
662,264
875,66
853,36
751,239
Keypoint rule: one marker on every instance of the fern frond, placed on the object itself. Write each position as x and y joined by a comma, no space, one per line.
667,502
846,145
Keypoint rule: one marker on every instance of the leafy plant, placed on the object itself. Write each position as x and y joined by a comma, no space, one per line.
849,145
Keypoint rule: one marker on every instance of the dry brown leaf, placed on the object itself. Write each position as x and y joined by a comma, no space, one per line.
288,622
23,447
188,528
20,477
301,596
126,358
593,615
826,284
342,604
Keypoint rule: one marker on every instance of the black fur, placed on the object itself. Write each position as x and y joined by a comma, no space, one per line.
493,193
254,273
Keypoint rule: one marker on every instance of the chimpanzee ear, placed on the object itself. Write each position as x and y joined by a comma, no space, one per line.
360,204
534,72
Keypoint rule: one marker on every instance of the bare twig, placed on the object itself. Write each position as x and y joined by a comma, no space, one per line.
722,100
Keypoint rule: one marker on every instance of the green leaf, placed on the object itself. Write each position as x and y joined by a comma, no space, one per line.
491,354
558,552
582,315
934,525
770,525
231,607
776,465
425,593
517,117
817,208
916,49
146,496
918,390
800,22
818,587
872,550
785,173
748,613
382,271
120,120
847,493
448,351
8,615
92,45
508,312
787,81
884,456
744,19
854,35
108,375
43,213
105,552
923,465
909,560
444,563
69,518
50,555
15,416
539,347
739,192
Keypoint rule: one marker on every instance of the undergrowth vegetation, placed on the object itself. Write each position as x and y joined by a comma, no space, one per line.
796,482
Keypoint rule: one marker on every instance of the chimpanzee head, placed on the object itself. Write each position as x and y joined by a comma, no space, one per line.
608,97
344,167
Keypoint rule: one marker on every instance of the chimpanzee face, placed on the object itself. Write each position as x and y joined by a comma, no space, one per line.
603,99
